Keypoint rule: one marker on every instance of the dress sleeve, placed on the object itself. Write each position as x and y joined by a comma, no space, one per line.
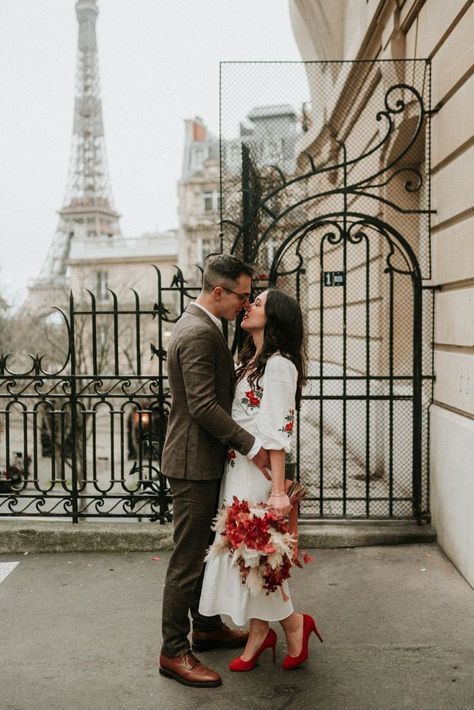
275,420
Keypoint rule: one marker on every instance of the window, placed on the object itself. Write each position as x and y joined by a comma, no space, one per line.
212,201
208,202
197,158
101,285
204,247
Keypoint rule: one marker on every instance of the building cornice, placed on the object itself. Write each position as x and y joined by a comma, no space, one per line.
125,260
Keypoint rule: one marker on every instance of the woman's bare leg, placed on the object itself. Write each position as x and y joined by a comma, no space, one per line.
293,628
258,629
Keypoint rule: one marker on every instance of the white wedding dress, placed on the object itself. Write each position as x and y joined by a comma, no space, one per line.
266,411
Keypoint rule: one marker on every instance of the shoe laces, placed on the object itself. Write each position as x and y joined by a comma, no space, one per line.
191,658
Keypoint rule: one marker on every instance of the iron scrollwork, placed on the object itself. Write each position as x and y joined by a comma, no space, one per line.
362,214
91,430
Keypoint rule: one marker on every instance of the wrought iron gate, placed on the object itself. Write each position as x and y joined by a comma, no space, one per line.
335,208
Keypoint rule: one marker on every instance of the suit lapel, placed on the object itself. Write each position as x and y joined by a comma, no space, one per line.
196,311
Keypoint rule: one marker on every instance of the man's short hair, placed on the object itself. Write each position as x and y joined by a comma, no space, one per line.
223,269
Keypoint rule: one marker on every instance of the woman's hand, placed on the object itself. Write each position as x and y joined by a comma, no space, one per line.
279,502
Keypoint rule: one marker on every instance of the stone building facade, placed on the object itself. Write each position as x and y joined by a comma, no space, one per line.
198,198
441,32
122,264
270,133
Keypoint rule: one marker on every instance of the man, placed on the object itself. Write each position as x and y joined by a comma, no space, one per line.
200,429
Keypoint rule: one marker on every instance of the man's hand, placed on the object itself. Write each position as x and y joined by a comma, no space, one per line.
262,461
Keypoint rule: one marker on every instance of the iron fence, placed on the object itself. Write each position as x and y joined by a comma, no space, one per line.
84,437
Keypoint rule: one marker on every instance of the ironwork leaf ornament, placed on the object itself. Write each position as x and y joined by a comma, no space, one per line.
159,352
178,280
36,363
393,253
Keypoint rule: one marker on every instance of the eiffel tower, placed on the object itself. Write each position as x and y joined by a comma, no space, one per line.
88,212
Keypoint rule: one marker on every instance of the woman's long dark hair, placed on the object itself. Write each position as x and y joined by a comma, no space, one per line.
283,333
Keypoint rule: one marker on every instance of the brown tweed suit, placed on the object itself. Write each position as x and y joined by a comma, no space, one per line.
200,429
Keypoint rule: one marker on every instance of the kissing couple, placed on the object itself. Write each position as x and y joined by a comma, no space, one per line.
228,432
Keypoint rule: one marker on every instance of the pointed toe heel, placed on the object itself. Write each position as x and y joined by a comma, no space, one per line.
241,666
309,627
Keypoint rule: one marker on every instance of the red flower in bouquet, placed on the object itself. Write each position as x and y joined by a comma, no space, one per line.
258,542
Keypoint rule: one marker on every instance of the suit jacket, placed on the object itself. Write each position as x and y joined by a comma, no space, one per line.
201,375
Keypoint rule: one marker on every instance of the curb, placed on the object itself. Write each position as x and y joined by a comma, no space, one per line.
363,534
48,536
41,536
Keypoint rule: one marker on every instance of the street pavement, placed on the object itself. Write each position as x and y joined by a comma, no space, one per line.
81,631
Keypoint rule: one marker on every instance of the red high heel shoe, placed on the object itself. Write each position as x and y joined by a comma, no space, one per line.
268,642
309,626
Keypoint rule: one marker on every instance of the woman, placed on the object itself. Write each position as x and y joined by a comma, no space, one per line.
269,383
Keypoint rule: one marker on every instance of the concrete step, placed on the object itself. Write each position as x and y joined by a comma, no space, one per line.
20,536
349,533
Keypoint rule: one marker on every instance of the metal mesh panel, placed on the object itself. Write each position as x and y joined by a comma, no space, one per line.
325,187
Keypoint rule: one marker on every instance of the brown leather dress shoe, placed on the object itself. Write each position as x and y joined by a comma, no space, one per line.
221,638
188,670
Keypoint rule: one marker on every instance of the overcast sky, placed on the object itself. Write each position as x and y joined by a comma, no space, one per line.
159,63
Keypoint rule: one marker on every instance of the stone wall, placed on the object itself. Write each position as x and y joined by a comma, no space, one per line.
441,31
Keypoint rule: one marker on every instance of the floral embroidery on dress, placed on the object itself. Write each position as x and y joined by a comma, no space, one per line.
231,455
252,398
290,420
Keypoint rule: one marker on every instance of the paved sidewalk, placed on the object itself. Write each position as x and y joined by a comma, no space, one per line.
81,631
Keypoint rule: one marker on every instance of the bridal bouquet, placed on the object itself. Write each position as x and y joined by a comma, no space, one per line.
258,541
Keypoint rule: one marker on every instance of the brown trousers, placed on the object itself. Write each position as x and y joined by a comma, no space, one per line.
194,507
